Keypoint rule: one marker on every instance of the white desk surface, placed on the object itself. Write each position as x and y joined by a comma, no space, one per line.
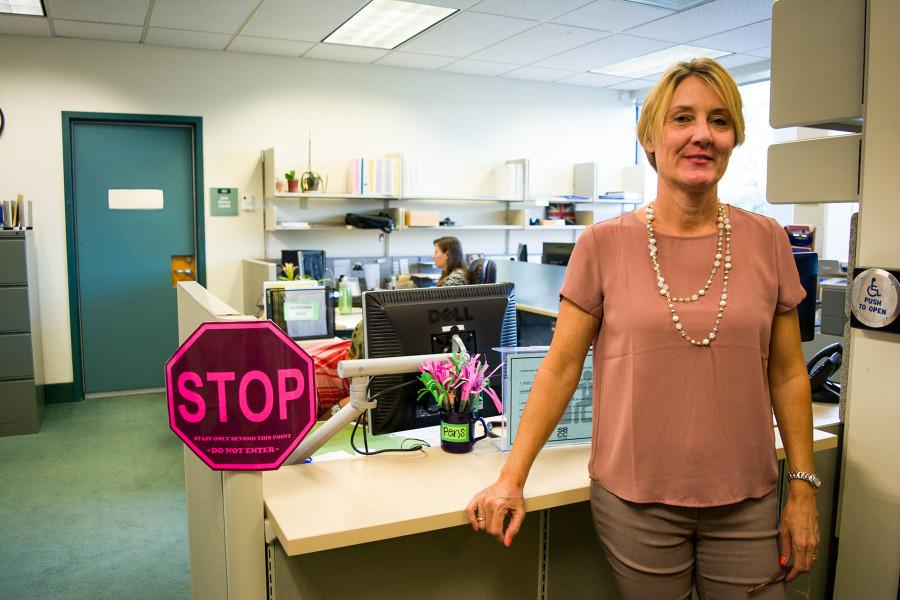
340,503
537,310
824,415
347,322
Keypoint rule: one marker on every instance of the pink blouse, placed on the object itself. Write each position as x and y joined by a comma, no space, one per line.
674,423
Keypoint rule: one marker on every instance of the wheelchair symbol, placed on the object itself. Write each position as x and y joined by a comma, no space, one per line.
872,291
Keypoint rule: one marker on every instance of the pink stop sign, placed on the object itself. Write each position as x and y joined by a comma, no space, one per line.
241,395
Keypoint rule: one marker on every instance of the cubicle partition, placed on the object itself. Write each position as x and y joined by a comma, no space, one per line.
393,525
537,298
224,509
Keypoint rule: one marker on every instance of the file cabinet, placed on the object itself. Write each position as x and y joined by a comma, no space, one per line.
21,372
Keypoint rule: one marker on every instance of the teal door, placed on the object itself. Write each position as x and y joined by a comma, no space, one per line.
133,193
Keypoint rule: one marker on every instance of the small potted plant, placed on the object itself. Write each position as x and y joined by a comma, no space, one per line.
292,181
289,272
310,180
457,384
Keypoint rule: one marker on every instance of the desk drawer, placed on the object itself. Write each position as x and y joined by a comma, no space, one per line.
14,309
19,402
12,261
15,356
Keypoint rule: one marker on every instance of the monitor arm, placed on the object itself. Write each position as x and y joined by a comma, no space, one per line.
359,372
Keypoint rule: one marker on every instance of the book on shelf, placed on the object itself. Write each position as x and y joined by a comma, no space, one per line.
376,176
406,177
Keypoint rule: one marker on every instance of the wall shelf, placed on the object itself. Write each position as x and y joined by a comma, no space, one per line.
327,196
449,198
289,211
312,227
553,227
463,227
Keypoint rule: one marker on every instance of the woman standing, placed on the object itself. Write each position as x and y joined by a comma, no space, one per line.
689,305
448,256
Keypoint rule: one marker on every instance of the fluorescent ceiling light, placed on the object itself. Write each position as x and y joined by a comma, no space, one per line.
657,62
671,4
22,7
387,23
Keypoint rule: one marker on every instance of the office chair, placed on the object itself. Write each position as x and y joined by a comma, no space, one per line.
483,270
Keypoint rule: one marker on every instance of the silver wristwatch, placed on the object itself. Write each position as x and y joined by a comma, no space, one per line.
810,478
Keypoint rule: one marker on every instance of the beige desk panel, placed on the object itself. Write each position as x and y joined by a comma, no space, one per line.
333,504
825,415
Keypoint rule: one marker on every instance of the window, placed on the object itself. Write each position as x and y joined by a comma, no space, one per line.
744,184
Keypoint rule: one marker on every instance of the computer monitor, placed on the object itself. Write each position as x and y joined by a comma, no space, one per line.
808,268
556,253
303,313
311,263
522,253
423,321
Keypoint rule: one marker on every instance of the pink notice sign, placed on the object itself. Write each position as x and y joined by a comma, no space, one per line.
241,395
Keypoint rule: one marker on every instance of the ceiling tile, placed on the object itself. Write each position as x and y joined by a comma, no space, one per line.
478,67
126,12
592,80
766,52
179,38
202,15
18,25
740,39
538,74
307,20
604,52
414,61
447,3
612,15
739,60
345,53
539,10
542,41
97,31
255,45
632,85
465,33
706,20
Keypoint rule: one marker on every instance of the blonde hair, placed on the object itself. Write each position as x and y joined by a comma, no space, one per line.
653,113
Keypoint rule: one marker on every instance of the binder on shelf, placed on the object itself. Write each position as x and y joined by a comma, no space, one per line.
374,176
633,182
406,175
511,179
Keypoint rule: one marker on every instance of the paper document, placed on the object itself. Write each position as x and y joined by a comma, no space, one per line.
131,199
373,274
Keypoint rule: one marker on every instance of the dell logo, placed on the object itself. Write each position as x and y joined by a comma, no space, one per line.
449,315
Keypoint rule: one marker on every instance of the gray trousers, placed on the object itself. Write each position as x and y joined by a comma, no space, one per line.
659,552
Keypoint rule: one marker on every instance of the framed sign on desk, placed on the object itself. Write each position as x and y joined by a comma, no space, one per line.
520,365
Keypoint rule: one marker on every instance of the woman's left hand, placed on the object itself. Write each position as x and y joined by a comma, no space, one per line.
799,535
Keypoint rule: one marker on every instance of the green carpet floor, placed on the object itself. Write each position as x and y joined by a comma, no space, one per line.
92,507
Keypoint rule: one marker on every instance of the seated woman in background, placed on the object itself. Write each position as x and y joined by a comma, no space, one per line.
448,256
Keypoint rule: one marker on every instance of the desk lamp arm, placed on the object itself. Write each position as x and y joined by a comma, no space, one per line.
359,372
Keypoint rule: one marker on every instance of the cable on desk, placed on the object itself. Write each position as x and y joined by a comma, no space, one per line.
415,448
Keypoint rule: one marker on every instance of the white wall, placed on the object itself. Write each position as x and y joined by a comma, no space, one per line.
869,522
458,126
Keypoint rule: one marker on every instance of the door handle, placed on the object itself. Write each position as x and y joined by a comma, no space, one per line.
182,269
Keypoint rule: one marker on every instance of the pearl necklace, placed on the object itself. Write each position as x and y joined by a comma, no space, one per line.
723,225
